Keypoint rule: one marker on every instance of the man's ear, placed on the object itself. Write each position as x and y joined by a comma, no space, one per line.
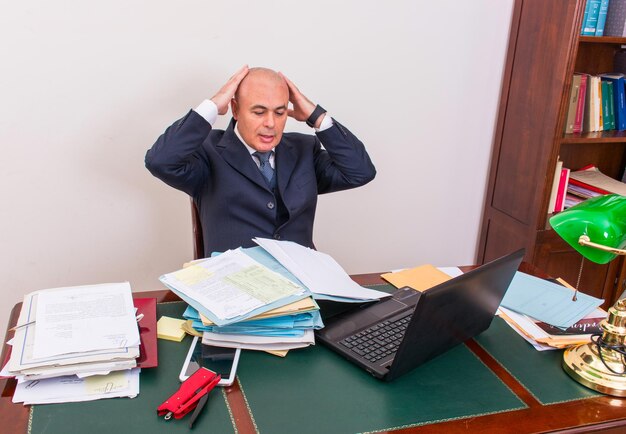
234,107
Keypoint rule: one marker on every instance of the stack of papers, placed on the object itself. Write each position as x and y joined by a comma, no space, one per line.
232,287
284,328
290,320
544,313
78,332
544,336
263,298
117,384
589,182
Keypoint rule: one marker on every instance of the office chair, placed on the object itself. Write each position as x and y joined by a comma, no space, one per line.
196,226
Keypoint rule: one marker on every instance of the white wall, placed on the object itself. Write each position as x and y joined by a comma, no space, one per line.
87,87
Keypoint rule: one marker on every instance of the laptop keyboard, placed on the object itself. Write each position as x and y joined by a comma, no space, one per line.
378,341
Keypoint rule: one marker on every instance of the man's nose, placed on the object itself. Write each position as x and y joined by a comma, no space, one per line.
269,120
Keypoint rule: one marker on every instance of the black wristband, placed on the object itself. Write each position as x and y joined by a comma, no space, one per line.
319,111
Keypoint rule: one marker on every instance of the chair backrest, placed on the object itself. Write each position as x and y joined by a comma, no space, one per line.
196,226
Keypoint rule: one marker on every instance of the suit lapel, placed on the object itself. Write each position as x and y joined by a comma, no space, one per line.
237,156
285,159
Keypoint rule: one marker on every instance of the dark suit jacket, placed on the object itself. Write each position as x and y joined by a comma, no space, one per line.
233,198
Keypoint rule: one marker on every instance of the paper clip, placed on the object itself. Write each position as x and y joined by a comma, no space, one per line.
17,327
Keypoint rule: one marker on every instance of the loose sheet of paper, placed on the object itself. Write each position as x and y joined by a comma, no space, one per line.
231,284
318,271
85,318
547,301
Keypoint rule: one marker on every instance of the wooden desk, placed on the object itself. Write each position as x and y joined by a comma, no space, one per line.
602,413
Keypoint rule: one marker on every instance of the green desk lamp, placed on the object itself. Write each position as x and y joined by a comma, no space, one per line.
596,228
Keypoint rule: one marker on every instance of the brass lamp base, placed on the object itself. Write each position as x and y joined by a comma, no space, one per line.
598,365
583,364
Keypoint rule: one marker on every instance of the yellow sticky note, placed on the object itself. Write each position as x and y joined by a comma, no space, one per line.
170,329
192,275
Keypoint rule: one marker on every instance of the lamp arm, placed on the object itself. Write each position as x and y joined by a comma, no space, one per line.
584,240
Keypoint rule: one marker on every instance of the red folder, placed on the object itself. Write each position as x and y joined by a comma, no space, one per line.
589,186
148,357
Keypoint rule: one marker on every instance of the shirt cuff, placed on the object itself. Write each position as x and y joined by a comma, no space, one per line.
208,110
327,122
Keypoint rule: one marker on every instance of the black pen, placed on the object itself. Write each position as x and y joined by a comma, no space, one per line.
201,403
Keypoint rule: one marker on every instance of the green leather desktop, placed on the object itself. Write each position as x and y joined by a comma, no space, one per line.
494,383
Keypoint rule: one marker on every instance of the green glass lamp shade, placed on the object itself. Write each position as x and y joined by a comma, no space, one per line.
602,219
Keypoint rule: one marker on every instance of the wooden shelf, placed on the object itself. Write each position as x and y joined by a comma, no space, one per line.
611,136
603,40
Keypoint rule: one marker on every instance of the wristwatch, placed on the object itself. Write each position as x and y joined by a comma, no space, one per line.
319,111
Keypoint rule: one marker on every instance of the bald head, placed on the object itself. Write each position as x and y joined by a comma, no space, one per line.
260,108
263,78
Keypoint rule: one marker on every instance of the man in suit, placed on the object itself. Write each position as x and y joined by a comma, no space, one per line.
251,180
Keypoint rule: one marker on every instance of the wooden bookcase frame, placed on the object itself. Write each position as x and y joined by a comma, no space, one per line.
545,49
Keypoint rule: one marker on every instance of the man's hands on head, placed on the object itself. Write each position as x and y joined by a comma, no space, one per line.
227,92
302,106
301,109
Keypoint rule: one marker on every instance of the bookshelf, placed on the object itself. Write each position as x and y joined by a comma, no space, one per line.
545,48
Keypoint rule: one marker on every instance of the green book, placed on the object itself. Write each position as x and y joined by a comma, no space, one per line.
606,116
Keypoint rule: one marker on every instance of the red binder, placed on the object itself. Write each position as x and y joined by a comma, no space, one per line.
148,356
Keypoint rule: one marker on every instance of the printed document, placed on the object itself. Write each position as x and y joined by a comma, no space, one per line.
23,362
231,284
84,318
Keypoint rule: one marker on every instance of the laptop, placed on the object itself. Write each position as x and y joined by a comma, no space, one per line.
390,337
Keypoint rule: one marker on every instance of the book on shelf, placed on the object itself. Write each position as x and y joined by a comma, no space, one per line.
580,108
608,114
562,189
599,110
615,24
590,19
611,105
573,104
602,14
592,120
555,186
619,99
